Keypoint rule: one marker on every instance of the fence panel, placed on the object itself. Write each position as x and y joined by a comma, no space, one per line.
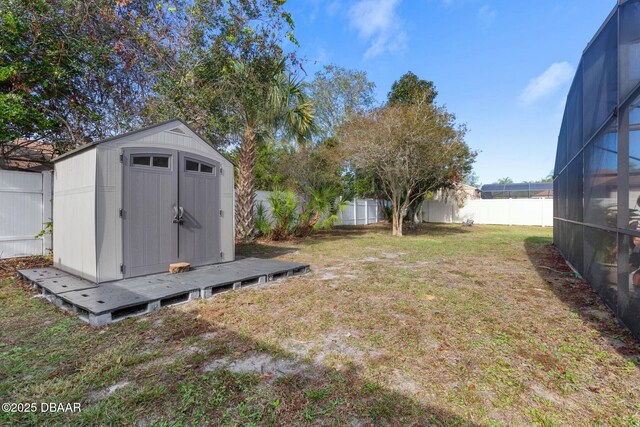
361,212
492,211
25,205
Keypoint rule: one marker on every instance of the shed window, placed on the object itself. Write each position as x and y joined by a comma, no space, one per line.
206,168
161,162
142,160
192,166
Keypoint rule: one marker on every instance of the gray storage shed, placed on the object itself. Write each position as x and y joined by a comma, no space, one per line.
130,205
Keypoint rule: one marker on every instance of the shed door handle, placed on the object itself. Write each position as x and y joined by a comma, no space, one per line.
178,212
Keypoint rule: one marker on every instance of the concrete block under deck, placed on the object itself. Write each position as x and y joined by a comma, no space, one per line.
99,304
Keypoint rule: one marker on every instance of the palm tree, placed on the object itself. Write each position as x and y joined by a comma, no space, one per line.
265,99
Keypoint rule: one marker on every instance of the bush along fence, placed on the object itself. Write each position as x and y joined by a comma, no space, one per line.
282,213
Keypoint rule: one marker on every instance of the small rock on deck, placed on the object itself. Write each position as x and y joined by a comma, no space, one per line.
99,304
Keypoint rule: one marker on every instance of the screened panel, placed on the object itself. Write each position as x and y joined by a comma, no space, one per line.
600,180
610,259
629,47
628,308
600,263
517,191
600,84
574,245
555,200
632,117
573,113
574,189
561,153
562,194
561,229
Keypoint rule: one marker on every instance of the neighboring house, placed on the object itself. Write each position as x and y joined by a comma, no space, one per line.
473,193
26,156
460,194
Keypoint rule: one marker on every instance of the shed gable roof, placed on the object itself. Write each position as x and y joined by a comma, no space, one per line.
174,125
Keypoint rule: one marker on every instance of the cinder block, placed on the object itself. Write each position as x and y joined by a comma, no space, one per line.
98,319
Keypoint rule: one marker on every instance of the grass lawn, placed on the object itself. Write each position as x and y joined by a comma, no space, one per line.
446,326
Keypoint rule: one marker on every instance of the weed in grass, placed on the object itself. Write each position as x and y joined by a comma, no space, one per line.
7,281
317,395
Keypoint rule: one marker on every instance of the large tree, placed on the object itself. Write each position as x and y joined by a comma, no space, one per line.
410,89
337,94
231,77
212,43
412,149
265,99
74,71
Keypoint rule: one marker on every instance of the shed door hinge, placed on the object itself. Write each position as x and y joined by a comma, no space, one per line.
221,213
121,213
221,255
121,157
122,268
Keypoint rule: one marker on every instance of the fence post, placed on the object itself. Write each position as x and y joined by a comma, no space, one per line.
377,215
355,211
47,208
366,212
427,205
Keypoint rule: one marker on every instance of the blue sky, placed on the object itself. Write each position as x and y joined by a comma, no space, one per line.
503,67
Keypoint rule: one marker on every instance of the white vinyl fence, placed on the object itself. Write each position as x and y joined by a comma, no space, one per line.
356,212
25,205
495,211
361,212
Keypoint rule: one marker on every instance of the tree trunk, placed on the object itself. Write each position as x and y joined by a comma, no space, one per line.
417,212
397,215
245,189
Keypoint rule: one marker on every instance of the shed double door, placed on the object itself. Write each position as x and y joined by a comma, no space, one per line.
171,210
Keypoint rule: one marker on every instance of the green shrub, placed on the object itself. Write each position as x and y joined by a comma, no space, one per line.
284,205
263,224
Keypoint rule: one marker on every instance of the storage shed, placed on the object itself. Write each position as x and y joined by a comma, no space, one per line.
130,205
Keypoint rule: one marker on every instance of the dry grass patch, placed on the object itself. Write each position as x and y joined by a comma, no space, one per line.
447,326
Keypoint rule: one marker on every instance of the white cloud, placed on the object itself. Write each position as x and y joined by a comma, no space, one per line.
546,83
486,16
377,22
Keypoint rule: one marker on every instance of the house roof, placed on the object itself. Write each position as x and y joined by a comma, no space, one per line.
144,129
26,155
